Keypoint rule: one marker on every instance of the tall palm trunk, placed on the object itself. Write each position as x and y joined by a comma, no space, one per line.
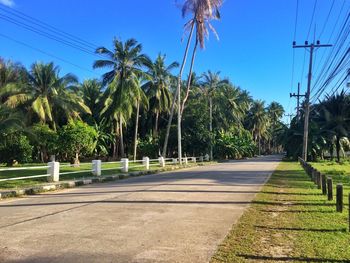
115,143
211,126
122,154
155,127
337,145
136,127
177,93
259,143
189,76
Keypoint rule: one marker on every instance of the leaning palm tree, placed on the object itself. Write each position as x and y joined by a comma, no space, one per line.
126,63
202,11
158,88
48,96
211,84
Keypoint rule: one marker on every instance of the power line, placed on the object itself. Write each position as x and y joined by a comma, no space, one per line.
312,19
339,61
48,54
42,24
49,35
326,22
325,50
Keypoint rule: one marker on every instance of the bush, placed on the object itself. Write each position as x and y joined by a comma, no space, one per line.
45,141
15,147
75,139
148,147
235,144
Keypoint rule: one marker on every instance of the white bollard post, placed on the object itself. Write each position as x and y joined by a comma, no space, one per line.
96,167
161,162
125,165
201,159
194,160
53,171
186,161
145,162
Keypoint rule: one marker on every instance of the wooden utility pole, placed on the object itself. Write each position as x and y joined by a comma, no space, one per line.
298,96
312,47
290,117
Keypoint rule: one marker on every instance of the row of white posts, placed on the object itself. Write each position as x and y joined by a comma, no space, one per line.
53,170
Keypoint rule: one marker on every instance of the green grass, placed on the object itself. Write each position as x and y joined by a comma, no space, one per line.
289,221
82,167
339,172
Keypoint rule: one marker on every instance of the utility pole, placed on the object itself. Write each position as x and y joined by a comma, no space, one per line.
298,96
290,117
312,47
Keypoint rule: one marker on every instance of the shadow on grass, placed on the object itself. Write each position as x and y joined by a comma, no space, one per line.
302,229
298,211
282,193
291,259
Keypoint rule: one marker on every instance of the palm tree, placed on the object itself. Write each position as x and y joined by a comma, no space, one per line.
140,98
12,76
10,121
91,93
127,63
229,111
158,88
202,12
211,84
48,95
258,121
275,111
335,110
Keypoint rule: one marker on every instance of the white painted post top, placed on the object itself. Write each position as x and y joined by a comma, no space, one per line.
125,165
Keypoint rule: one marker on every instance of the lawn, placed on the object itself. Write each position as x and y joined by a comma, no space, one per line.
85,169
289,221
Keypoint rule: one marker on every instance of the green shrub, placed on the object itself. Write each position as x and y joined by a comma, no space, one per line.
15,147
75,139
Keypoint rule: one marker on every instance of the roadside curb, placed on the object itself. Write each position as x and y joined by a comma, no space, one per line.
37,189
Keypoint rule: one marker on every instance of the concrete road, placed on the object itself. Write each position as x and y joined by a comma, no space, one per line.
171,217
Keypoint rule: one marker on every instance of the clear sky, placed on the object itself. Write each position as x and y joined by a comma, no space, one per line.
254,50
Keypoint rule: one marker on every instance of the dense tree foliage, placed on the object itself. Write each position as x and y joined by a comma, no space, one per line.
329,129
126,113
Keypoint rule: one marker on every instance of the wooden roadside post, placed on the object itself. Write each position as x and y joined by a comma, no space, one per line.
324,184
319,182
313,175
330,188
339,201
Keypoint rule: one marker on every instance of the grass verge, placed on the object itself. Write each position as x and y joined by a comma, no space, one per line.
289,221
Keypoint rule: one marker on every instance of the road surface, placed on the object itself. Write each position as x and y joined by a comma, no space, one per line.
177,216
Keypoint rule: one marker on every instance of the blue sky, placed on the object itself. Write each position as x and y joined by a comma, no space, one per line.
254,50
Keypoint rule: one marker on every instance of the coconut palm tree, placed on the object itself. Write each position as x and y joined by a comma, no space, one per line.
211,84
335,110
158,88
258,121
140,98
202,11
275,112
127,64
48,96
12,76
91,93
